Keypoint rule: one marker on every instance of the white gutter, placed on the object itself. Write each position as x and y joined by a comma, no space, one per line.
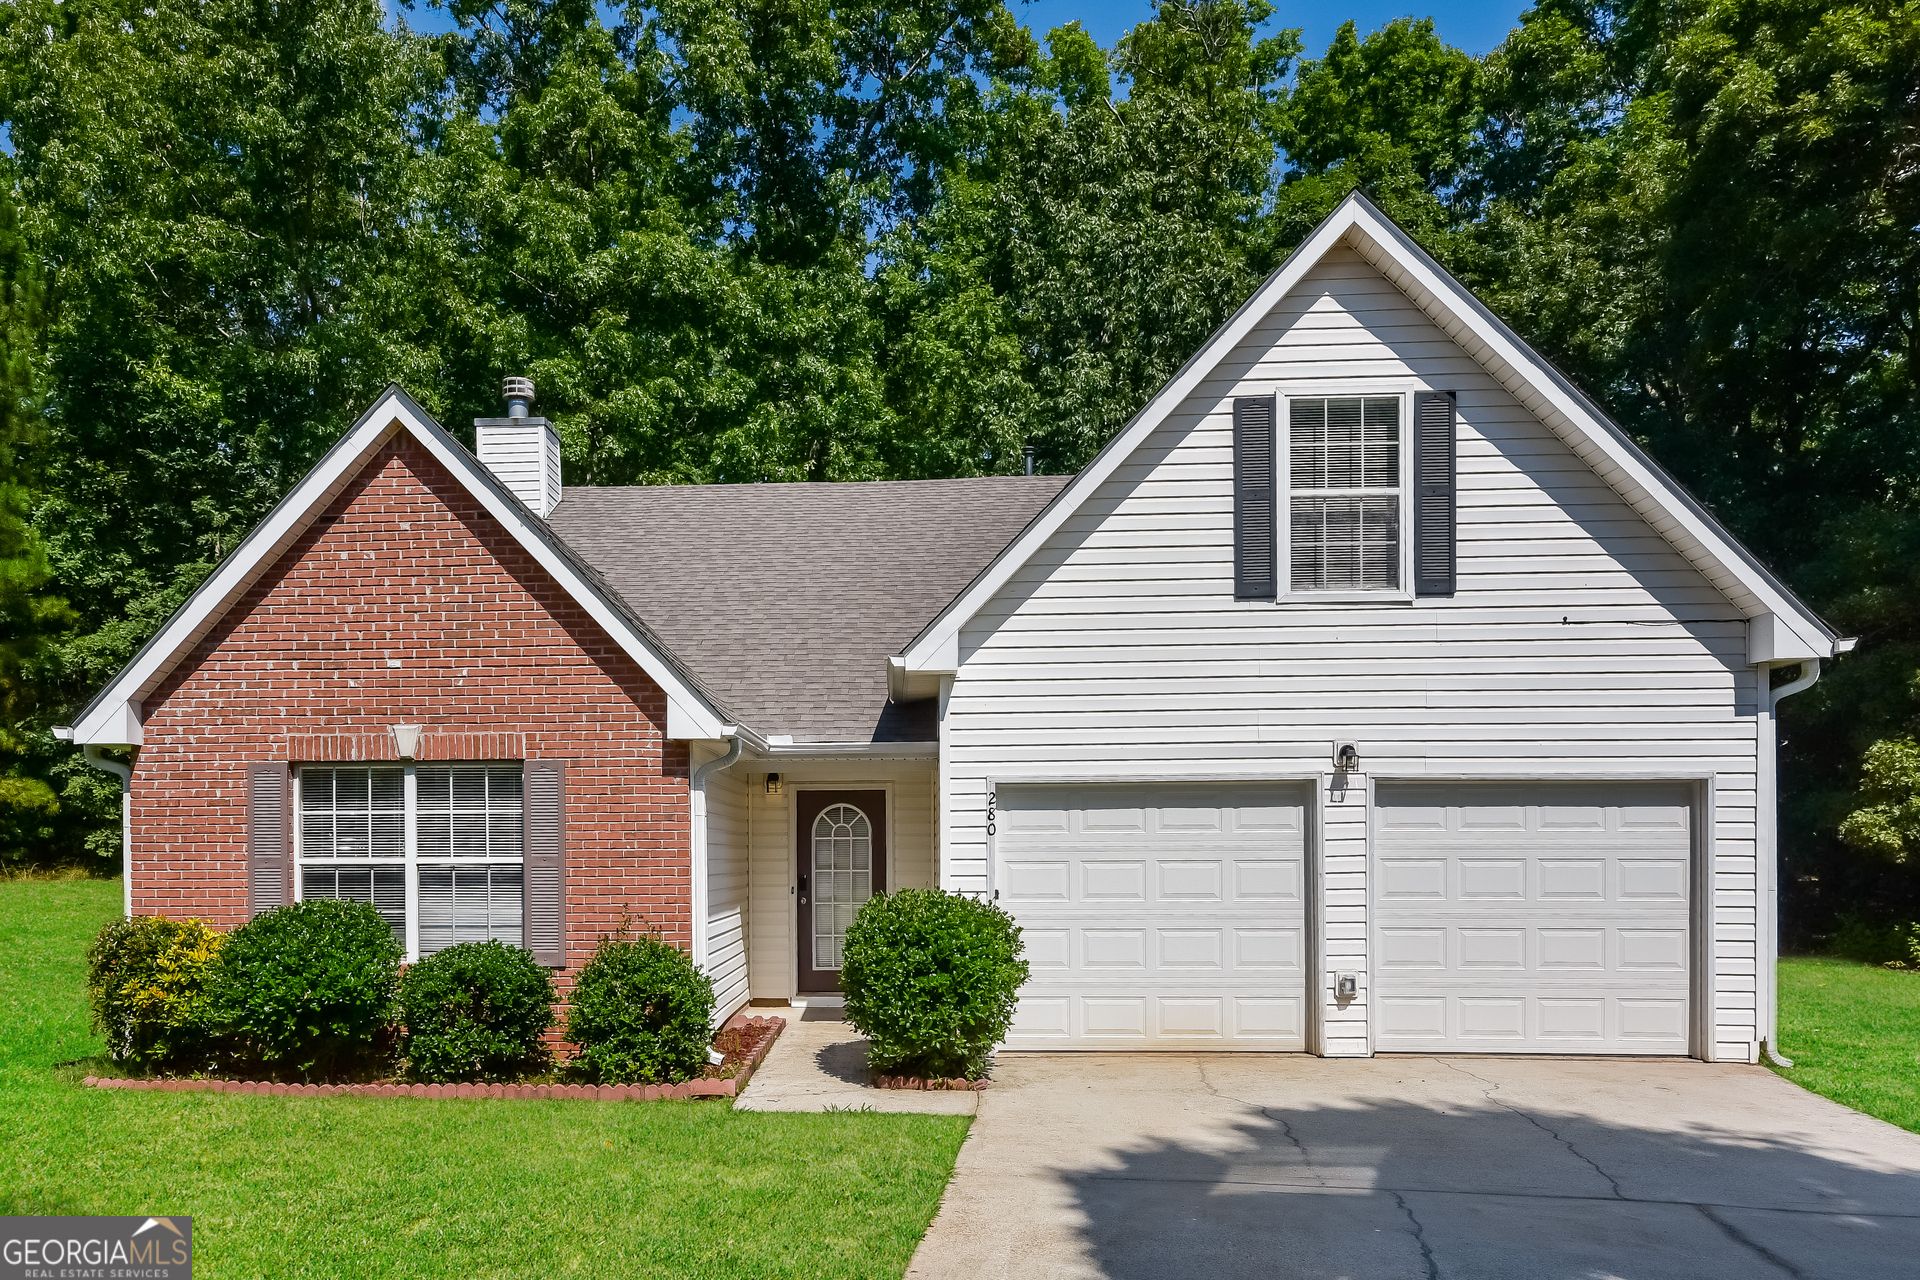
697,797
1767,971
91,753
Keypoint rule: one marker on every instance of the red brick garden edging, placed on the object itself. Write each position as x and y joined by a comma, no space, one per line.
934,1085
582,1092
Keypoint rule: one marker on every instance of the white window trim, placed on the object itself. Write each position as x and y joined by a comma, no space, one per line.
1283,490
410,836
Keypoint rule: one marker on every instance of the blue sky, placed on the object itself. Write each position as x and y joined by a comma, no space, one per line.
1470,26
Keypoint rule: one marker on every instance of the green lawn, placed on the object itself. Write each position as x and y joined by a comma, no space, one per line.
1853,1032
401,1187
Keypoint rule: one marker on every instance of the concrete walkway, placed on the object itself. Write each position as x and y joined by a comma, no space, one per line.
1239,1165
819,1063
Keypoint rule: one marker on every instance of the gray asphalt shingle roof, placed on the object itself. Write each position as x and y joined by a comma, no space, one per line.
785,600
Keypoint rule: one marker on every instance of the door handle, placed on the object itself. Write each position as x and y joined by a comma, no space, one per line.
803,891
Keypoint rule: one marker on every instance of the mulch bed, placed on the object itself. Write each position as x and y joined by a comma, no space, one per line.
745,1042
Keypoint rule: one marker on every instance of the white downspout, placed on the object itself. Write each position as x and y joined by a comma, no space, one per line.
1767,970
697,795
123,772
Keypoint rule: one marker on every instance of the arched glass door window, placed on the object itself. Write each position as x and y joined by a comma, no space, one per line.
842,878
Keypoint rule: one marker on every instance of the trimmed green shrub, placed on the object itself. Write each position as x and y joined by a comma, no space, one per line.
931,980
639,1013
147,988
308,989
476,1011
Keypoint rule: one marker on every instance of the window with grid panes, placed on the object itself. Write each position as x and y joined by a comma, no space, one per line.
442,842
1343,473
842,878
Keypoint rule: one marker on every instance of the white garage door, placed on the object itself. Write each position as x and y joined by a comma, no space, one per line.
1535,918
1168,916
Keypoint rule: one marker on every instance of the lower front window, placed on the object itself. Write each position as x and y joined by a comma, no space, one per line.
438,850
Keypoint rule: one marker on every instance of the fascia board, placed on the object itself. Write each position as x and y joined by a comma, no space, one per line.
106,716
936,648
1599,442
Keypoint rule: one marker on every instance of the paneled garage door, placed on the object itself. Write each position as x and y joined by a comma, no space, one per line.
1169,916
1531,918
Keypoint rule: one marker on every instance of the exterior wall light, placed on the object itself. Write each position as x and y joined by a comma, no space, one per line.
406,740
773,784
1346,757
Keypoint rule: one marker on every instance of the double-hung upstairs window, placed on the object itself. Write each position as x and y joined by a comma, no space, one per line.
437,849
1344,493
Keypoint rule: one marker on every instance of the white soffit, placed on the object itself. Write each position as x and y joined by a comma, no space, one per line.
114,718
1530,378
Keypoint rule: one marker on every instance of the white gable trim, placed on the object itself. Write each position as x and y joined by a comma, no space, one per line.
114,717
1794,631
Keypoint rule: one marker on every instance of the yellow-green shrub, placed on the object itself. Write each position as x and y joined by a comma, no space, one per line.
147,987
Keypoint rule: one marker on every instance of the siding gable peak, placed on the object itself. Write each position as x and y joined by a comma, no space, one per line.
1359,226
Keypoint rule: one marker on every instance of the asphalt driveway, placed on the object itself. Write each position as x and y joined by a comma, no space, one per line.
1244,1165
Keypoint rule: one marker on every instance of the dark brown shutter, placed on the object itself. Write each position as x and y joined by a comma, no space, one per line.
269,836
1255,547
545,920
1435,483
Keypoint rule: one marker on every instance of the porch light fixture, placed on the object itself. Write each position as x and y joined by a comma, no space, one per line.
406,740
773,784
1346,757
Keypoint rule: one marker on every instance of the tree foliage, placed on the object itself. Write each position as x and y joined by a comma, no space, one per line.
753,240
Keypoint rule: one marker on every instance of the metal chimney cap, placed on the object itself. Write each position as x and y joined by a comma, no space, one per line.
519,392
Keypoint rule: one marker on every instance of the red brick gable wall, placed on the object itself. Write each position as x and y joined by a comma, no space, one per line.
406,603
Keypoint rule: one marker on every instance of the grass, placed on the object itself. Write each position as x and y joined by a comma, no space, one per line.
1853,1032
339,1187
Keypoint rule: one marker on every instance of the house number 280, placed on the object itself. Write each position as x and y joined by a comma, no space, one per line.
992,810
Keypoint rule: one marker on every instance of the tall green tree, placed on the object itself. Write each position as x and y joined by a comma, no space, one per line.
1397,113
1086,246
31,616
225,195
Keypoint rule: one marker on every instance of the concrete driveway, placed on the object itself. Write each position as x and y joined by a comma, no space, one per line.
1242,1165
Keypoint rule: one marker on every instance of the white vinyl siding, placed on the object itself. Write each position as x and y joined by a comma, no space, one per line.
727,889
1578,642
437,849
524,454
773,913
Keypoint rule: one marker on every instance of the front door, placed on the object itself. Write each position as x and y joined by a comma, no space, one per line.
842,860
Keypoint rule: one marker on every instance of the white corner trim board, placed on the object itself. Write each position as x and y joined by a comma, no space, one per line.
1795,631
113,718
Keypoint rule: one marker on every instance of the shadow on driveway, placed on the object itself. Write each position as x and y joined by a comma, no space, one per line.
1393,1189
1467,1169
